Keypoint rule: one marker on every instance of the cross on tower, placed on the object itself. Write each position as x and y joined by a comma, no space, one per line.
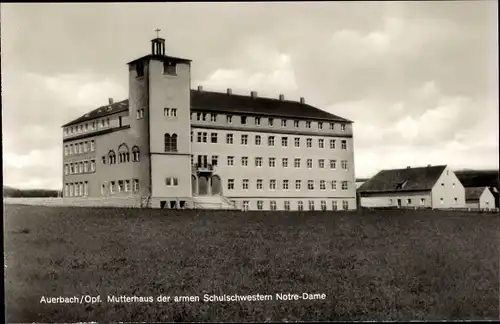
157,30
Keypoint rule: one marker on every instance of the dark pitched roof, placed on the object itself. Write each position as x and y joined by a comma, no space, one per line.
162,58
479,178
236,104
409,179
473,193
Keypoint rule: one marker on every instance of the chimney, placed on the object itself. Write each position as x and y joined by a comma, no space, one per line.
229,91
200,88
282,97
302,100
253,94
110,100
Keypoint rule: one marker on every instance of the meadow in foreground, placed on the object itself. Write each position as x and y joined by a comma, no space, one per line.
383,265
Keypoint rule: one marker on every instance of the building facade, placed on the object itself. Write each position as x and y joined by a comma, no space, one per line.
171,146
424,187
479,197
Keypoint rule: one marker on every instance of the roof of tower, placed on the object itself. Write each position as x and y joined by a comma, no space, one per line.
233,104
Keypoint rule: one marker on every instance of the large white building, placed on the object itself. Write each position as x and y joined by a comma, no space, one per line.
169,146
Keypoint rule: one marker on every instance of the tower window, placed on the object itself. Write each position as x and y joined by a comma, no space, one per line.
169,68
139,68
170,142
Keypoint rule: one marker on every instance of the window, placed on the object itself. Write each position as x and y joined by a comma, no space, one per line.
66,169
321,143
310,184
66,190
300,205
213,137
284,141
258,161
287,205
332,144
166,111
136,185
259,184
140,115
198,116
199,137
296,123
453,184
121,186
230,160
173,112
245,184
322,185
169,68
244,161
135,154
332,126
320,125
260,203
334,205
272,162
345,205
213,117
323,205
285,184
168,181
297,141
257,121
103,160
123,154
408,201
344,145
215,160
272,184
390,201
86,166
204,137
71,189
270,140
244,139
243,120
65,150
334,184
272,205
422,201
284,162
309,142
321,163
308,124
229,138
81,148
229,119
456,200
171,142
93,125
342,127
127,185
298,184
309,163
283,123
112,157
343,164
296,162
112,187
271,122
442,184
230,184
344,185
92,146
245,205
258,140
311,204
333,164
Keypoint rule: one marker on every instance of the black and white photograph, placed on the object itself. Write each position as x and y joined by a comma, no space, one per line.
250,161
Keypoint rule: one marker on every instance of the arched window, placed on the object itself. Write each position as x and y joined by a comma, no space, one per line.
167,142
112,157
135,154
123,153
170,143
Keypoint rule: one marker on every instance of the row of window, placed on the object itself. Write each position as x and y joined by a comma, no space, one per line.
79,148
123,155
78,189
203,159
422,200
82,128
200,116
79,167
202,137
120,186
300,205
169,68
285,184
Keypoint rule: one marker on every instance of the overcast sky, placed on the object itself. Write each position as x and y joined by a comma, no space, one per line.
419,79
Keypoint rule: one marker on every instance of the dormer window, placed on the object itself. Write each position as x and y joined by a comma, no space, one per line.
401,185
169,68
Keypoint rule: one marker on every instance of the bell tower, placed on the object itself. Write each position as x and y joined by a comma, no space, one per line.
159,110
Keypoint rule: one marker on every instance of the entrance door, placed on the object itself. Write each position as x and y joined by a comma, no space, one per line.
202,185
216,185
399,202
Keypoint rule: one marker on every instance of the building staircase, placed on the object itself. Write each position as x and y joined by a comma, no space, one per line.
213,202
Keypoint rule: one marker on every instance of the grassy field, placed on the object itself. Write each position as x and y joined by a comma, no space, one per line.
384,265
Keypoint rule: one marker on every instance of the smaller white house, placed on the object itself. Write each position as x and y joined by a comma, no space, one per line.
479,197
424,187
